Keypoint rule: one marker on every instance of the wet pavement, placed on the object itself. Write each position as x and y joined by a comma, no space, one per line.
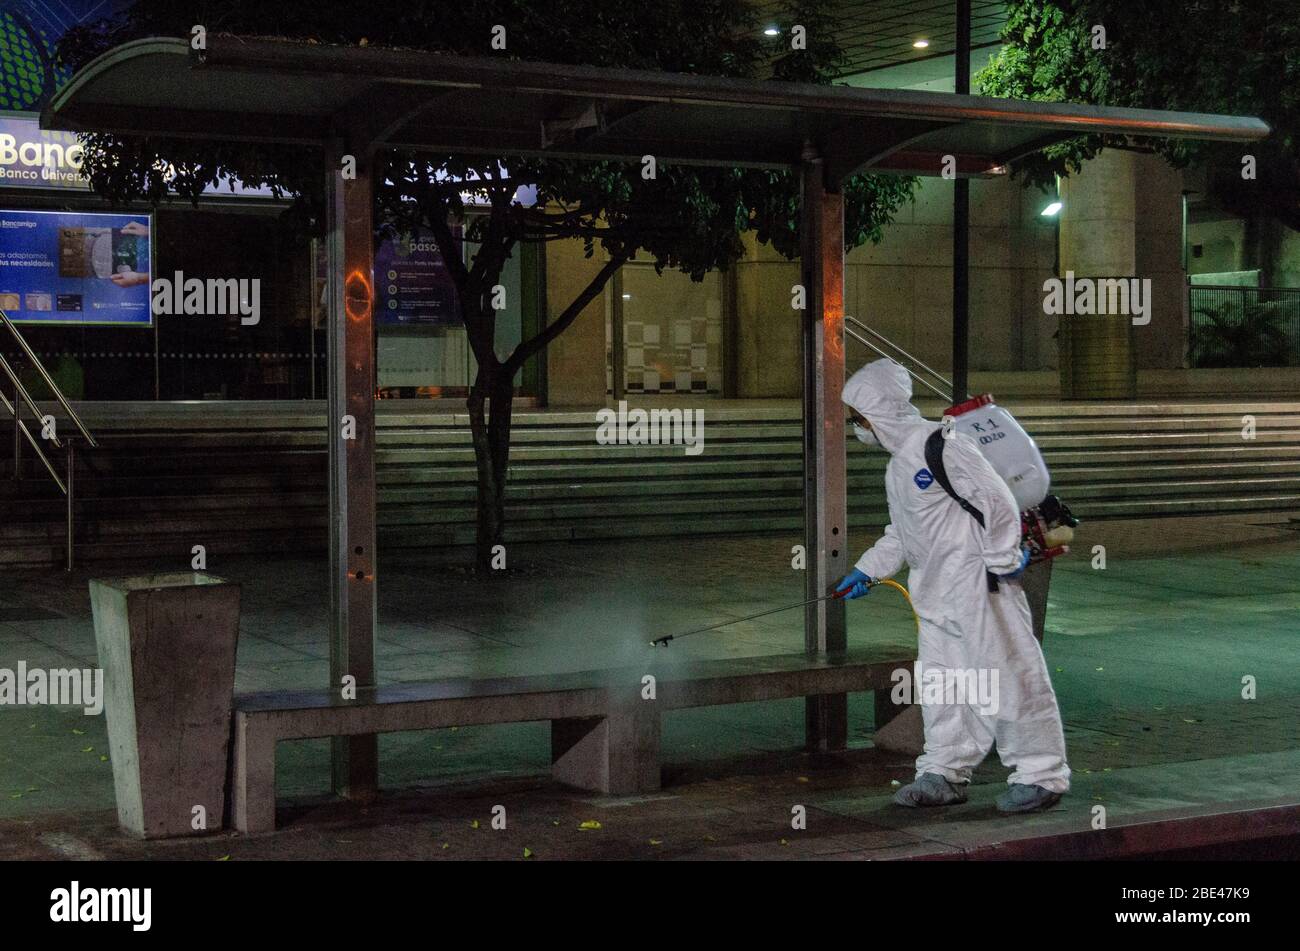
1150,657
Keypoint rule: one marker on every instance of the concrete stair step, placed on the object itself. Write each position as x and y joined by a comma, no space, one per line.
253,477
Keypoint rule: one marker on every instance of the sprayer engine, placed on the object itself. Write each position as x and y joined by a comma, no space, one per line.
1046,529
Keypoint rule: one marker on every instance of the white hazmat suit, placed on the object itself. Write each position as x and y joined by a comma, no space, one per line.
963,625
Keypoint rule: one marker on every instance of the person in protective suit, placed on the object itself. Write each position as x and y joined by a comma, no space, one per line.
964,626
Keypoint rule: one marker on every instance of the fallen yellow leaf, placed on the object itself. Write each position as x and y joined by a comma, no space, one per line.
590,824
528,853
474,824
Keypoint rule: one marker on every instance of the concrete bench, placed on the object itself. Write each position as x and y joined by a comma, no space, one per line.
604,736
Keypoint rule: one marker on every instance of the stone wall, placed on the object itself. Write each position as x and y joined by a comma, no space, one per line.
1125,207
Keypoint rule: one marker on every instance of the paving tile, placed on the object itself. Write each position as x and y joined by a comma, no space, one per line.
1147,659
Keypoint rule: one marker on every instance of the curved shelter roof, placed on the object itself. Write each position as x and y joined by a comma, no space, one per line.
276,90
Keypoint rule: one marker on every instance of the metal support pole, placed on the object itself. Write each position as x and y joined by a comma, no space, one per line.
960,290
822,232
961,230
1185,296
617,341
313,319
351,431
1186,261
70,442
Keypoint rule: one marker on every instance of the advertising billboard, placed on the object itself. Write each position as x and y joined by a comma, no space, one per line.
75,268
31,157
29,32
412,284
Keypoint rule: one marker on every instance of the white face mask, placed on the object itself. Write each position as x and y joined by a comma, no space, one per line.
865,436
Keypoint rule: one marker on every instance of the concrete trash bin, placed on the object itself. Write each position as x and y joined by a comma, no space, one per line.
167,648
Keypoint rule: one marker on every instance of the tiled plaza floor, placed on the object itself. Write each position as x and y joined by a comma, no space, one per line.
1148,657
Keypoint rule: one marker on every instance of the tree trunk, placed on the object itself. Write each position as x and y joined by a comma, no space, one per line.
490,403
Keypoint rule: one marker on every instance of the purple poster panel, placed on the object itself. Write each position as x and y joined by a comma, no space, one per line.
412,284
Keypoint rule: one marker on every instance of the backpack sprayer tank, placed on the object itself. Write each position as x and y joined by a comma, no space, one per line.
1046,523
1007,447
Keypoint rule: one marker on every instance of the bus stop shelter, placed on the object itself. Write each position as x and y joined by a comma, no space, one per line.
345,104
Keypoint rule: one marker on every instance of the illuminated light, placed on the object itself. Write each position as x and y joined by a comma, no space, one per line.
1051,210
357,296
627,297
772,31
921,44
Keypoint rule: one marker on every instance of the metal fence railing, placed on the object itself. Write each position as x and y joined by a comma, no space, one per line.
45,427
1244,326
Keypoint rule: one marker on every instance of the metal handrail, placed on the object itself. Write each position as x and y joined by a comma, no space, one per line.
9,407
21,394
852,332
49,381
68,444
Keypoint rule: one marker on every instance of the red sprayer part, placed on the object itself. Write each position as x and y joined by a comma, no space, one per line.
975,402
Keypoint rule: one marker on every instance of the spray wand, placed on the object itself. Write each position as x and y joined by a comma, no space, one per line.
663,641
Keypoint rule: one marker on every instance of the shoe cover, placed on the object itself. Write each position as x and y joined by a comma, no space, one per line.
1022,798
930,789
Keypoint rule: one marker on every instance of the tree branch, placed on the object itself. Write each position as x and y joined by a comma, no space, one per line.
528,348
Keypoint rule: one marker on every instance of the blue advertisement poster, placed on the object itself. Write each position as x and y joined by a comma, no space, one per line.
75,268
413,286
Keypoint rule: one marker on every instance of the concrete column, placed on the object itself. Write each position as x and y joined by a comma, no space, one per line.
825,503
767,327
351,432
1158,254
575,360
1098,240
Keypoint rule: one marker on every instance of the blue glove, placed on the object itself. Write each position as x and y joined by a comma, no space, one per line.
1024,563
853,585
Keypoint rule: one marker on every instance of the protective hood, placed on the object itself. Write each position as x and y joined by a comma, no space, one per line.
882,392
